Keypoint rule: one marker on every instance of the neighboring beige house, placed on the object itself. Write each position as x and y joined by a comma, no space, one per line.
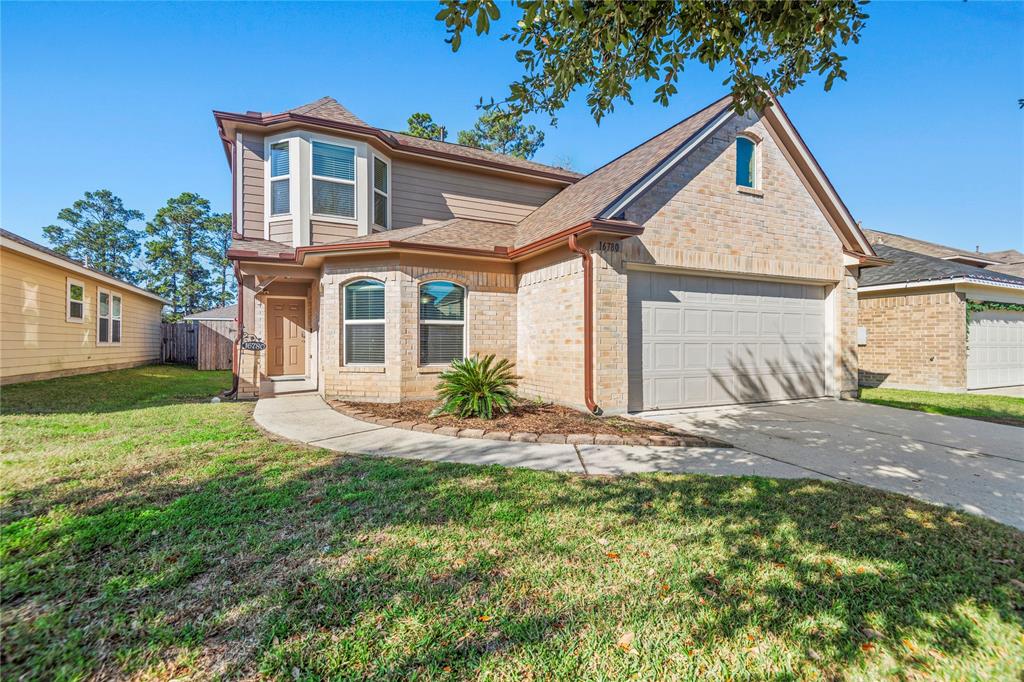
61,318
712,264
935,321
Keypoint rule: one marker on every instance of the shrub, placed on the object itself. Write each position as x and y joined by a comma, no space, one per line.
476,387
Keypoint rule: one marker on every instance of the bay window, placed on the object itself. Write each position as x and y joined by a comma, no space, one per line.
280,178
442,323
334,180
381,193
364,322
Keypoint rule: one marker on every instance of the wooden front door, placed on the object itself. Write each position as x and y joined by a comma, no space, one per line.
286,336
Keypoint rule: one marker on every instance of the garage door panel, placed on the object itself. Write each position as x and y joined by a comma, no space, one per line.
995,349
724,341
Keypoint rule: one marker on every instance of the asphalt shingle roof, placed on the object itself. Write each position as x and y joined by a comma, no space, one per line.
228,312
909,266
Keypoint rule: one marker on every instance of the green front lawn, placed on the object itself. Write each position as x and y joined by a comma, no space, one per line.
148,533
993,408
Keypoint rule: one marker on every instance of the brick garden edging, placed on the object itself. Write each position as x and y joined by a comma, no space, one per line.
676,439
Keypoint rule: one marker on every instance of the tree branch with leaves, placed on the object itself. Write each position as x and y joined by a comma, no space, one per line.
605,46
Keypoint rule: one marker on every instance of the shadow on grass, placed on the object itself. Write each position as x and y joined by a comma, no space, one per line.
1011,414
115,391
373,568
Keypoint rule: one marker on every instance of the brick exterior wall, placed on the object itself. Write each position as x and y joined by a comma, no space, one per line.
915,340
696,218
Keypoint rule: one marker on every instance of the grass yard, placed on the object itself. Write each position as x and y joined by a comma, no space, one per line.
992,408
150,534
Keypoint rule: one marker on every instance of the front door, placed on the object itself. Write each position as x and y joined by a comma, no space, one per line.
286,334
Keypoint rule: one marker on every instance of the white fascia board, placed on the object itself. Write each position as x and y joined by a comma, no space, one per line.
18,247
955,281
667,164
972,259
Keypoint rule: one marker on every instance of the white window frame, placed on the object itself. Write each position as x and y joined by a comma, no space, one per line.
354,220
464,322
287,177
374,191
67,306
345,322
755,160
109,317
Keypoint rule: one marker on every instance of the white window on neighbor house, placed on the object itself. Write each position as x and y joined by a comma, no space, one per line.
746,163
280,177
442,323
381,193
334,180
108,317
364,322
75,301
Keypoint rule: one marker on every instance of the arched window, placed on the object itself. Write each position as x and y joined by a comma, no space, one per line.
442,323
364,322
746,162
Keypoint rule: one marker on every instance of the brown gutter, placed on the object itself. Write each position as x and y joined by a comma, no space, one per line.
388,140
866,261
621,228
237,348
588,324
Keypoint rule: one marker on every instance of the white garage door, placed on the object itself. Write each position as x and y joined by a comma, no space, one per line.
697,340
995,349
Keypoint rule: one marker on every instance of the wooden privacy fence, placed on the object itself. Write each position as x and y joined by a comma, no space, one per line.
179,342
204,344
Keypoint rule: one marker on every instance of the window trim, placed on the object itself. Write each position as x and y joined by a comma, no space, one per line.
354,219
374,191
464,322
271,179
345,322
109,317
755,161
67,301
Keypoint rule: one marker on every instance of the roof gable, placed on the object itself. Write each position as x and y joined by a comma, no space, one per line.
328,109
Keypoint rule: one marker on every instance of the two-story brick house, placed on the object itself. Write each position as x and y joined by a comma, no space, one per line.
712,264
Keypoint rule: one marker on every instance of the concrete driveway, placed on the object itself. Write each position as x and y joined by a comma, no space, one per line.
964,463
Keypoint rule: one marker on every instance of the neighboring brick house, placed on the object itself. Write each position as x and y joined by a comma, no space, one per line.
935,323
712,264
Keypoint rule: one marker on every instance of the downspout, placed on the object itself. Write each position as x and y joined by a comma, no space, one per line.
588,324
236,350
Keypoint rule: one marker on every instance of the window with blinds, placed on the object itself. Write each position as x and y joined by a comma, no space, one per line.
364,322
334,180
442,323
280,172
380,192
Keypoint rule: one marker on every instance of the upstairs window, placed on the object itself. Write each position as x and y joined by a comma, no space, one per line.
76,301
380,192
364,323
442,323
280,173
108,317
746,162
334,180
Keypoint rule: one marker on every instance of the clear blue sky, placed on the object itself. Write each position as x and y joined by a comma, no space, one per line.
925,137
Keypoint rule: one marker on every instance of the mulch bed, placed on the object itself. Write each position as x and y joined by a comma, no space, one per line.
527,422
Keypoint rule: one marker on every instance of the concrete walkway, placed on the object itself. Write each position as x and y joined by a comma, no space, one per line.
963,463
306,418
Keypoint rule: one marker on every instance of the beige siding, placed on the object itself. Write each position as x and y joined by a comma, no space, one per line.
37,341
324,232
252,185
424,192
281,231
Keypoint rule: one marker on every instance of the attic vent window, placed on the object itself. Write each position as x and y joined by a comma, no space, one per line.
746,162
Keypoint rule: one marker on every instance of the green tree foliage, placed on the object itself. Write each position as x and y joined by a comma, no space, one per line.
183,246
97,233
224,282
423,125
606,45
504,133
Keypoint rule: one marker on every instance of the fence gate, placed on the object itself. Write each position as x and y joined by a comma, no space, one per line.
179,342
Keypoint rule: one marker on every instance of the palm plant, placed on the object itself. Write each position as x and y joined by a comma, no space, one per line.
476,387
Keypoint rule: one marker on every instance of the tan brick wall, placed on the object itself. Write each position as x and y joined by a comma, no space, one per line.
550,330
695,218
490,318
915,340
